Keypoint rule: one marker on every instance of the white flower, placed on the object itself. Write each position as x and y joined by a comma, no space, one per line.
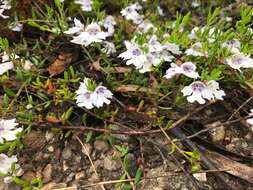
83,98
151,60
130,13
173,48
239,60
109,48
213,91
100,96
195,4
77,28
6,163
6,64
160,11
4,5
232,45
86,5
92,33
195,50
17,27
28,65
210,36
228,19
146,25
89,98
166,56
109,23
188,69
195,92
154,45
250,120
134,55
192,35
8,130
199,91
9,167
148,54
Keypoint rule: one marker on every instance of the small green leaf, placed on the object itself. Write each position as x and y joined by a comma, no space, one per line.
137,177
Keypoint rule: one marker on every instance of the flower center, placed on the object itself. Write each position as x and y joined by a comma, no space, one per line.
100,90
237,60
136,52
187,68
87,95
93,31
129,10
198,87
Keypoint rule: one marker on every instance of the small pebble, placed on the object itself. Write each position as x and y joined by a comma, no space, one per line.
50,149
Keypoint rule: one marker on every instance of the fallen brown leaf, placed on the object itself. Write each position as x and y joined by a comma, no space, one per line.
50,86
54,119
96,65
232,167
129,28
34,141
119,70
59,65
135,88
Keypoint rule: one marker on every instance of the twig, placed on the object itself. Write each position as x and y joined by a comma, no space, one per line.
152,177
213,127
230,109
188,115
240,107
15,98
130,132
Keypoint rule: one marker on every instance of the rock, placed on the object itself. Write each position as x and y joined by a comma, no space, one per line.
66,153
39,156
69,177
77,159
123,138
230,147
53,185
248,136
200,176
29,175
101,145
50,149
171,183
65,166
239,143
94,178
79,175
217,134
99,163
46,156
88,147
47,173
110,164
244,144
49,136
35,140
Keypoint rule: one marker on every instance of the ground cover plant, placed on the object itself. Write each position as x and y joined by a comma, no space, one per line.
126,94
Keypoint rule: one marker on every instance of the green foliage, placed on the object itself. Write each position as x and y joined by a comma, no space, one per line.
35,184
45,95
